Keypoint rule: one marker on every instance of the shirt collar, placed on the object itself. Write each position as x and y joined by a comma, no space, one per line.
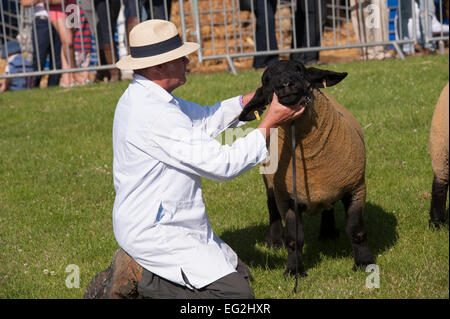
155,88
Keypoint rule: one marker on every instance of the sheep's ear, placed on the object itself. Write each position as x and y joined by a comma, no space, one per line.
257,103
324,78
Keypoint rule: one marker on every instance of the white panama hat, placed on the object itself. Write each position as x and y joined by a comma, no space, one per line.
154,42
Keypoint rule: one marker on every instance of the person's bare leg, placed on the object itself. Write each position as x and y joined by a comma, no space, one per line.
68,53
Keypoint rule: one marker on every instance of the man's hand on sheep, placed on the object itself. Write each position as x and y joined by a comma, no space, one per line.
278,114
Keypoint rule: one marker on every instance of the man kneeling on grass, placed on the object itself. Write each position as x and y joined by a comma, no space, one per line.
163,145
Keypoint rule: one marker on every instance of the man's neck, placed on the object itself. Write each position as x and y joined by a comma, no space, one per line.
163,83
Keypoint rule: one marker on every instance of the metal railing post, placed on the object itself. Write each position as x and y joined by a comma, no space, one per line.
183,23
197,29
235,36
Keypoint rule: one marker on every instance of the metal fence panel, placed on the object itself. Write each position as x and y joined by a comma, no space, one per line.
225,29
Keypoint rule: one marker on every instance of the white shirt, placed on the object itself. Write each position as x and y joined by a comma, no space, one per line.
162,146
10,58
40,10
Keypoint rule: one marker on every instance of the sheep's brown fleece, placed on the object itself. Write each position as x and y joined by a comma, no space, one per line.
439,136
439,145
330,158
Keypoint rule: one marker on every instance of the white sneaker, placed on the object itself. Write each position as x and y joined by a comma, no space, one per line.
437,27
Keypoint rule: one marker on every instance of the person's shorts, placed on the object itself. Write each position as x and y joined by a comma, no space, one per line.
56,12
82,59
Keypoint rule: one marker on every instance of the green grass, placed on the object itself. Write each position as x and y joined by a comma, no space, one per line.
56,188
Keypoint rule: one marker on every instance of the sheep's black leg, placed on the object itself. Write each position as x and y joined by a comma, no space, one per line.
438,203
274,238
328,228
290,244
356,231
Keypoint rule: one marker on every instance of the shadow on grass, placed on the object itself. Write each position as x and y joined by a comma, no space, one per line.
381,227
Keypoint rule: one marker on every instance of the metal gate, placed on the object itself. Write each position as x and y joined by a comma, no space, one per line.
240,29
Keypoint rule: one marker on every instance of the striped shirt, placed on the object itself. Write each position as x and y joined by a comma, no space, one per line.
82,40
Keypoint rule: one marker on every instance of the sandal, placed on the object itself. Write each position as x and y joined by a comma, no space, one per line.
65,86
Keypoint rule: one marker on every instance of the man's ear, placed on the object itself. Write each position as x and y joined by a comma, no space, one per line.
323,78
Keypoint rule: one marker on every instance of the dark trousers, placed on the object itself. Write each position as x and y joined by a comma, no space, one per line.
42,48
105,27
232,286
131,10
312,11
406,13
265,32
158,9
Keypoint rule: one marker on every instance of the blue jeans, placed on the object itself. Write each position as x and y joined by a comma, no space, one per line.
424,25
264,32
42,49
405,15
156,9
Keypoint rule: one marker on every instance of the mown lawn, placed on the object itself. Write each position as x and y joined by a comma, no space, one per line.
56,189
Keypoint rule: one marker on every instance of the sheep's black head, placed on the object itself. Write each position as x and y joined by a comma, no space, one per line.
287,79
292,82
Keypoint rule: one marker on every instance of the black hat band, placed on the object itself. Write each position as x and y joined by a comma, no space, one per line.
156,48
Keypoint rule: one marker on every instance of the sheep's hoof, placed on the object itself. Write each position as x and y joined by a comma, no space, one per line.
329,235
436,225
275,244
360,267
363,265
290,272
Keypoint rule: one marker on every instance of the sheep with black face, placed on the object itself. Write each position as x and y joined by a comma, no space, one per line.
330,161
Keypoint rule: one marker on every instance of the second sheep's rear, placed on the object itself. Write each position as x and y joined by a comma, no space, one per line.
439,160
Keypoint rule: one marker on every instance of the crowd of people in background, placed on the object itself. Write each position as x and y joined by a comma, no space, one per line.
63,30
368,25
62,34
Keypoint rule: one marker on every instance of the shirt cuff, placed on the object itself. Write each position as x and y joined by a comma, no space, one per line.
241,102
